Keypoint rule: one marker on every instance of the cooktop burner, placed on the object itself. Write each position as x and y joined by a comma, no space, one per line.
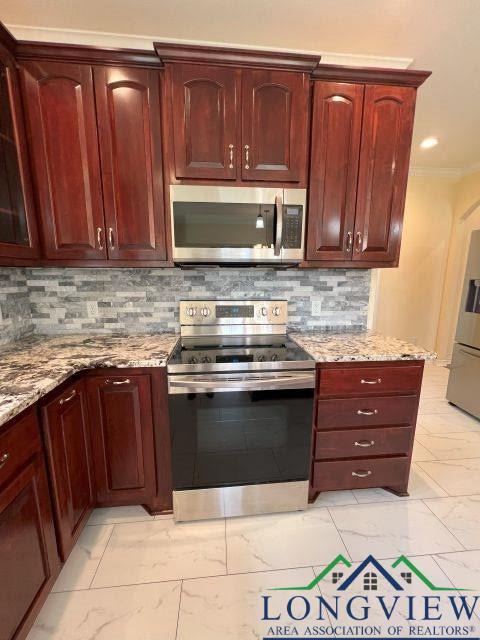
217,354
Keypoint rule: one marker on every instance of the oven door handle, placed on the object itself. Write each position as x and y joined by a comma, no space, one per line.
189,384
278,225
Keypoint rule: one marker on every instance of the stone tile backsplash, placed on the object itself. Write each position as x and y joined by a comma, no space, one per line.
15,315
146,300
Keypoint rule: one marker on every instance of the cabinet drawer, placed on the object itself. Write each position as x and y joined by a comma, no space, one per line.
17,444
354,443
365,412
360,474
366,381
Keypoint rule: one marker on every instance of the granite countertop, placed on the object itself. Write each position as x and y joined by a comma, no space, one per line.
32,367
358,346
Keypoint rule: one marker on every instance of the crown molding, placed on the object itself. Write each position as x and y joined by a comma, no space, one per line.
435,172
142,42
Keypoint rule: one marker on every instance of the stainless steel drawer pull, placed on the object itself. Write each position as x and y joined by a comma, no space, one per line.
367,412
376,381
110,238
230,146
361,474
3,459
99,238
70,397
247,156
126,381
364,443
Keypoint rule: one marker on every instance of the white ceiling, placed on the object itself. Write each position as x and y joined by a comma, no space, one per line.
440,35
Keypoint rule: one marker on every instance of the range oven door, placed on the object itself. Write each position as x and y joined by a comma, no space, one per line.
230,430
237,224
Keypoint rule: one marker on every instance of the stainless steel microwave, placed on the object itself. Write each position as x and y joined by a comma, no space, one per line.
237,224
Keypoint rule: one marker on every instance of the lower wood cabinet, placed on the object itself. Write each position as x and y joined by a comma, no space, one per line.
28,553
67,440
364,425
120,409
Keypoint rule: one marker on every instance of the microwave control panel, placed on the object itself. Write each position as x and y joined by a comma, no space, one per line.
292,226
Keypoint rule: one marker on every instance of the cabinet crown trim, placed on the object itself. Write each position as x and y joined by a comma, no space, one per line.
371,75
227,56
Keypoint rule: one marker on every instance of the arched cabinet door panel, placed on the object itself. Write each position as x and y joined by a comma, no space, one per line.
335,148
60,108
129,128
274,125
204,121
383,172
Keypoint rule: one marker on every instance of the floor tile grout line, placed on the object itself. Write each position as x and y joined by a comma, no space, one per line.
443,571
101,557
446,526
338,531
179,606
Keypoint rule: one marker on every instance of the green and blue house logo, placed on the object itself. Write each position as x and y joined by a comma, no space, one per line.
347,600
369,570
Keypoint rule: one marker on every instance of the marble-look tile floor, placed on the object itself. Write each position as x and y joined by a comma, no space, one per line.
134,577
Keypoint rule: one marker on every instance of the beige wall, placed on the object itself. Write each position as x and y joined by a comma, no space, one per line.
408,299
467,195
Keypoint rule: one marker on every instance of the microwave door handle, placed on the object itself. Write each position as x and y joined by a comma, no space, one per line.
278,225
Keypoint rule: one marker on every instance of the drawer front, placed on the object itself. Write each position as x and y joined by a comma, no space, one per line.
365,412
18,443
366,381
360,474
354,443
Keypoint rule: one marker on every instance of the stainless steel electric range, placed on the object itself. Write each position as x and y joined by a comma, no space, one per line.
241,406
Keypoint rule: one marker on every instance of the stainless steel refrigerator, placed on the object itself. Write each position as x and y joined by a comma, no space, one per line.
464,381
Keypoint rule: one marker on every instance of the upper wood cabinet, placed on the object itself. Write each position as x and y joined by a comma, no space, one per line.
65,427
60,106
129,126
18,230
120,408
383,172
361,138
274,125
204,121
336,129
218,136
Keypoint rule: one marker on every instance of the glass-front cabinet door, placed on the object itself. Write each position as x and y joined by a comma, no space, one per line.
18,235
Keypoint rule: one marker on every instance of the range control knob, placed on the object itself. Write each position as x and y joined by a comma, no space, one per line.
276,311
192,360
205,312
274,357
264,311
261,358
206,359
191,311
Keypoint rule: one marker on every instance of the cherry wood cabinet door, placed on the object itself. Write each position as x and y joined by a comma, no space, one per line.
383,172
204,121
120,409
60,108
65,424
129,126
18,229
274,125
28,554
335,149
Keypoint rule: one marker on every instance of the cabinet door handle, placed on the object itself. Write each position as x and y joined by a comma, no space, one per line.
3,459
367,412
230,146
377,381
247,156
70,397
364,443
117,382
358,246
99,238
110,238
361,473
349,241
